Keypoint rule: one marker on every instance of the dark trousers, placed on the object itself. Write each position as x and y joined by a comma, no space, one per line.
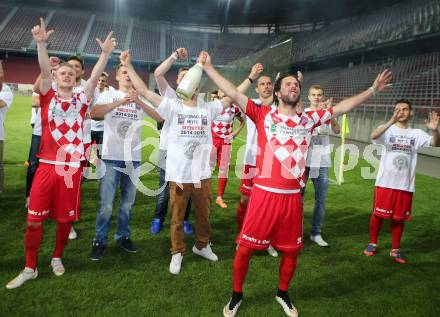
33,162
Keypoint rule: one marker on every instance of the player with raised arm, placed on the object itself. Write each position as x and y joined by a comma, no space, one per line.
188,171
395,182
274,213
56,188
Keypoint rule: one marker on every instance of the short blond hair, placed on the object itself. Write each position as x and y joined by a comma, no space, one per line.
316,87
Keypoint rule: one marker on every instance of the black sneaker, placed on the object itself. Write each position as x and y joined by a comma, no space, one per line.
126,244
97,251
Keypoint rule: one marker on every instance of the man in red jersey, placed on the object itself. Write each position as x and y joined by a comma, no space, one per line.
55,191
274,215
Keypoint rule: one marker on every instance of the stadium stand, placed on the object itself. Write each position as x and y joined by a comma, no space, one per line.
100,29
69,30
192,41
401,21
145,42
16,34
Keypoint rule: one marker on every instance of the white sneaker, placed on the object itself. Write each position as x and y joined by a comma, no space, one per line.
25,275
57,266
230,313
72,235
319,240
272,251
289,312
176,263
206,252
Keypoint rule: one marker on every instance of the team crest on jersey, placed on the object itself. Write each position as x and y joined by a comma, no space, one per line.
303,120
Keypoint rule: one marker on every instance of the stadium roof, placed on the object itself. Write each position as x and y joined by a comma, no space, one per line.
224,12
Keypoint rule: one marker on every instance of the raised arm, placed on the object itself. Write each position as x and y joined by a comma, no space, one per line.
41,36
137,81
134,97
377,133
100,110
256,70
432,124
382,81
107,48
222,83
159,74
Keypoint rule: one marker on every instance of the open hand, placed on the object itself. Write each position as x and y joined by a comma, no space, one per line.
383,80
432,122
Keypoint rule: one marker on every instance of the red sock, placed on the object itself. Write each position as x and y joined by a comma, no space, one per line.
241,213
375,226
241,266
396,233
222,181
62,236
32,241
287,269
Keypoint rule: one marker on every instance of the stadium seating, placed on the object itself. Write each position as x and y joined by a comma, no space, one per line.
401,21
69,30
100,29
415,78
16,34
145,42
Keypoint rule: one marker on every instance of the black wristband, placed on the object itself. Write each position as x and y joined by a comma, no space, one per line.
251,80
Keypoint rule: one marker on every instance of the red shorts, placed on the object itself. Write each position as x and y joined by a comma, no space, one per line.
247,179
272,219
55,194
392,203
221,154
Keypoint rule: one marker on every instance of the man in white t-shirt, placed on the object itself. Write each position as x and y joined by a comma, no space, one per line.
319,161
97,126
274,214
187,166
397,171
6,98
166,91
121,109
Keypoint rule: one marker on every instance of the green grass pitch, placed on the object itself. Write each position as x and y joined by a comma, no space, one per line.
334,281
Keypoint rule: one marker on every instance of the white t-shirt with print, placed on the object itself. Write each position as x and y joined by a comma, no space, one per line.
319,150
7,96
98,125
163,140
397,169
36,113
189,141
117,125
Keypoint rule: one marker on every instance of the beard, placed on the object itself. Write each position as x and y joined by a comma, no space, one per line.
292,102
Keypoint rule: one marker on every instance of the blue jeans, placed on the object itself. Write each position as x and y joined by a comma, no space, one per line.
319,178
108,186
